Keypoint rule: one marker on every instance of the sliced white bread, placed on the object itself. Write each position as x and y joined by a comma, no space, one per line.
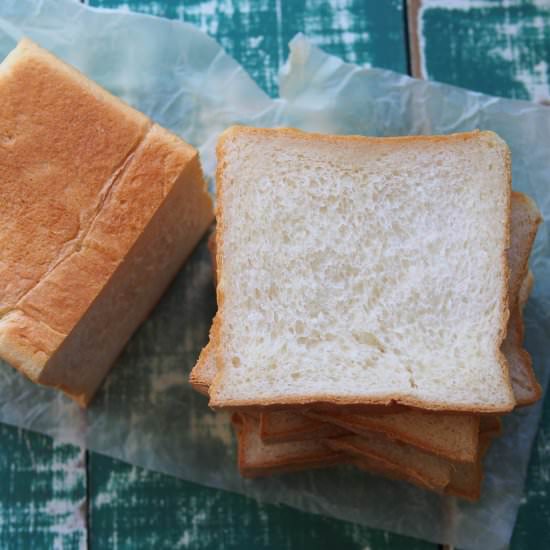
204,371
453,437
361,271
525,220
257,458
434,472
526,288
465,480
282,426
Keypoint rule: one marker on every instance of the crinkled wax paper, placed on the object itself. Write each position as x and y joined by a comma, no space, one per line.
146,413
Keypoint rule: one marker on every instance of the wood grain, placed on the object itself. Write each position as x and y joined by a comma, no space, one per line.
499,48
257,33
42,492
134,508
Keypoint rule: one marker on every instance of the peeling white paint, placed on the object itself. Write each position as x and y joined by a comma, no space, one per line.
65,479
536,79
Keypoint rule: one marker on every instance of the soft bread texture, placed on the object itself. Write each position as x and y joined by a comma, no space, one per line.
100,209
257,459
451,436
362,270
525,220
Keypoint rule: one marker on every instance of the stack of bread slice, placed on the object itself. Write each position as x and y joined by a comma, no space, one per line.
370,295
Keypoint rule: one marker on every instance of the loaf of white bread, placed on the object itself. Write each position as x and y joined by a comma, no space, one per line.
100,207
370,295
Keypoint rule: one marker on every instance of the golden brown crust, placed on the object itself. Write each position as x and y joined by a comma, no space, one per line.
282,468
306,460
212,250
437,481
91,188
490,426
298,403
196,377
365,424
326,402
515,326
505,269
466,480
273,430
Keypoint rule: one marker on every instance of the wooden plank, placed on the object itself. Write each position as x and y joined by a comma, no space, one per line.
499,48
134,508
257,33
42,492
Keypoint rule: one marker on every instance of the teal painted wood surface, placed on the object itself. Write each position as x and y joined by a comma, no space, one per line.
499,48
131,508
43,501
256,33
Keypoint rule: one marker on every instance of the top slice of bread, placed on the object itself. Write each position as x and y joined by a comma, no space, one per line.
100,207
359,270
525,220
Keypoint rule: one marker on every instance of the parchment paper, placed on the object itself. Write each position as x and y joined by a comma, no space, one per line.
147,414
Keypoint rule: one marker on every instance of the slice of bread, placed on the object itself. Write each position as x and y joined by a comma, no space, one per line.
454,437
526,288
256,458
490,425
451,436
360,270
384,468
283,426
525,220
99,208
431,471
204,371
465,479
